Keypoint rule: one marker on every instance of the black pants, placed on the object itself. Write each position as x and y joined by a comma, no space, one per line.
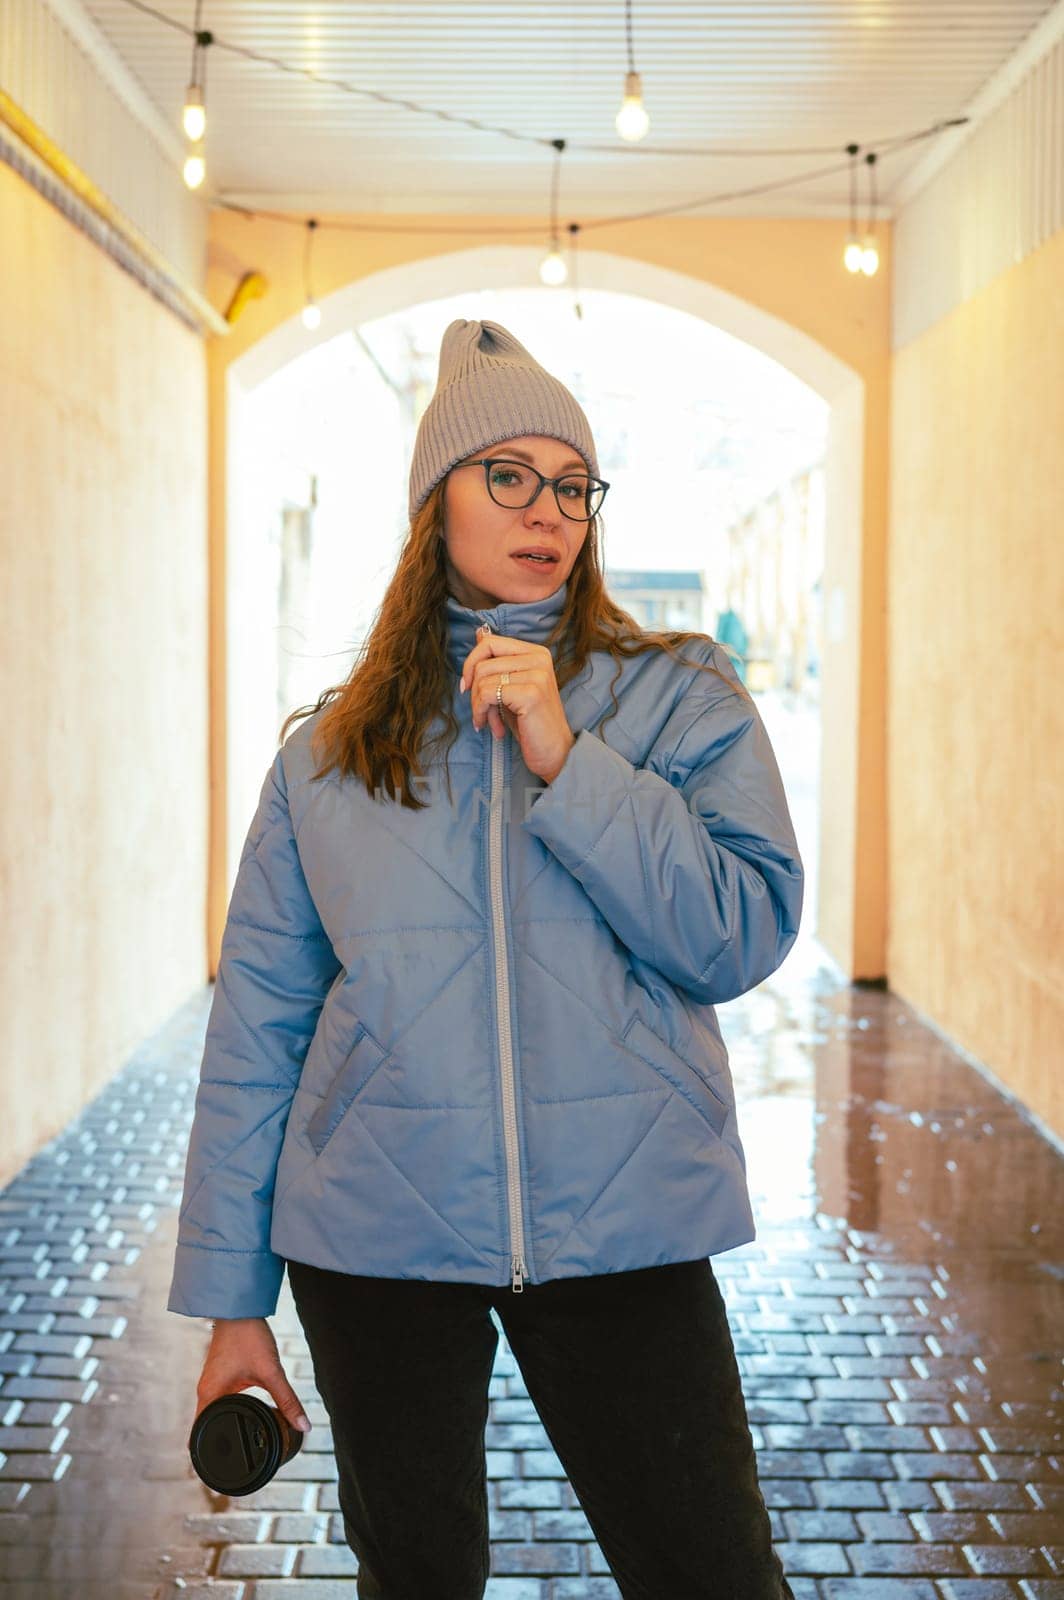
634,1377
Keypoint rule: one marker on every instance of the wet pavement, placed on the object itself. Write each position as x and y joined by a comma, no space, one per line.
897,1321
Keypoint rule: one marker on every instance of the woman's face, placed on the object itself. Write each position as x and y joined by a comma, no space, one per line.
482,539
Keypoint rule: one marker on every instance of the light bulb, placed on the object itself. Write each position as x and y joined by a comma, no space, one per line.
853,256
632,121
311,315
194,171
552,269
194,116
869,257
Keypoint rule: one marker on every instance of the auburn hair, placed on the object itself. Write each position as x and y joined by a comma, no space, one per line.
372,725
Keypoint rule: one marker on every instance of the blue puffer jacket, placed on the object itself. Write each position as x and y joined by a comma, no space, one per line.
476,1042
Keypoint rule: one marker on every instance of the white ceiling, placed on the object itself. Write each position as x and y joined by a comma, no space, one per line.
736,75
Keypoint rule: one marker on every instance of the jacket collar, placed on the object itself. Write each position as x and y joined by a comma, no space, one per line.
519,619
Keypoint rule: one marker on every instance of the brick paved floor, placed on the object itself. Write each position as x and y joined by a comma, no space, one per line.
897,1322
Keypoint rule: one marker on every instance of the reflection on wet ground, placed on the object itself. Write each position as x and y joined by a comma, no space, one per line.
898,1325
897,1322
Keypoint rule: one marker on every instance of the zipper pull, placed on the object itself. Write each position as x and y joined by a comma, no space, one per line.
519,1272
486,627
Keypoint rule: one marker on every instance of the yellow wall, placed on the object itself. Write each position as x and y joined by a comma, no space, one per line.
974,659
103,826
790,269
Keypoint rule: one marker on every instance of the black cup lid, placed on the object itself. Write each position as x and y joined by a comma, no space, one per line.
236,1444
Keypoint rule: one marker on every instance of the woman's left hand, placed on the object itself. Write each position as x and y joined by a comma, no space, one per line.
531,704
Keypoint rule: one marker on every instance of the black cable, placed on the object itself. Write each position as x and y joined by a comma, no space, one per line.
511,133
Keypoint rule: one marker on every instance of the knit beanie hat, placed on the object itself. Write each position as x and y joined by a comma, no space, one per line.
489,388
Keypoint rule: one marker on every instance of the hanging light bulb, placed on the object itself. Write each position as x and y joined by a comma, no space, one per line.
552,269
311,309
194,116
574,229
632,121
869,249
853,254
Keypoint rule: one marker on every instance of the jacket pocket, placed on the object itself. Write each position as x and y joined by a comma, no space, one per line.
684,1078
363,1059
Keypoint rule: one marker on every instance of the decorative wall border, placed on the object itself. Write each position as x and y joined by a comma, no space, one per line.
29,151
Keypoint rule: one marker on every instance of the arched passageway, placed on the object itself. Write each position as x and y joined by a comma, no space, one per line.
834,849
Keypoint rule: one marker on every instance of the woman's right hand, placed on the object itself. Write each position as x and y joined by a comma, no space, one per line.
243,1355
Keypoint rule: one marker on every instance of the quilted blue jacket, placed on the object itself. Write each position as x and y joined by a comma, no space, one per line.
476,1042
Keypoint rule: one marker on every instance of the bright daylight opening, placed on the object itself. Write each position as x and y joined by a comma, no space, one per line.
714,521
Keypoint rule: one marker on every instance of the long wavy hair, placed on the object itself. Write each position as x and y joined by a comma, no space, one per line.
373,724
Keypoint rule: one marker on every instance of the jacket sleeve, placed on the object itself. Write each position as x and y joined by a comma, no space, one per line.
275,968
690,858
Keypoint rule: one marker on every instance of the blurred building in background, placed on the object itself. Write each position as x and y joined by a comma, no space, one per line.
660,599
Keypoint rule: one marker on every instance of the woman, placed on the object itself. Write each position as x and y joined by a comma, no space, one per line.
462,1052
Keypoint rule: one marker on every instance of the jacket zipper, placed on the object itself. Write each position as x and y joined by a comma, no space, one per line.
502,999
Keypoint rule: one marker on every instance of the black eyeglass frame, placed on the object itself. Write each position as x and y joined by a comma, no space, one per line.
487,462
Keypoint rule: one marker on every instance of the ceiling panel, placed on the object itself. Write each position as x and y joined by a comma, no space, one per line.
777,76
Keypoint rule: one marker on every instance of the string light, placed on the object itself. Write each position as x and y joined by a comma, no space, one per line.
311,310
194,114
574,229
510,229
661,152
632,121
860,255
552,269
851,256
869,249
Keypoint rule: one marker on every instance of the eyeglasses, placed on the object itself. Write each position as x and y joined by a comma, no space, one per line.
515,485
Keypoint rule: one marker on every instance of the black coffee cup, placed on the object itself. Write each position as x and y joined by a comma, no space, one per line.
238,1442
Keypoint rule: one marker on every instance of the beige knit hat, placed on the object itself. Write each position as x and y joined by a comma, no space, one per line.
489,388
